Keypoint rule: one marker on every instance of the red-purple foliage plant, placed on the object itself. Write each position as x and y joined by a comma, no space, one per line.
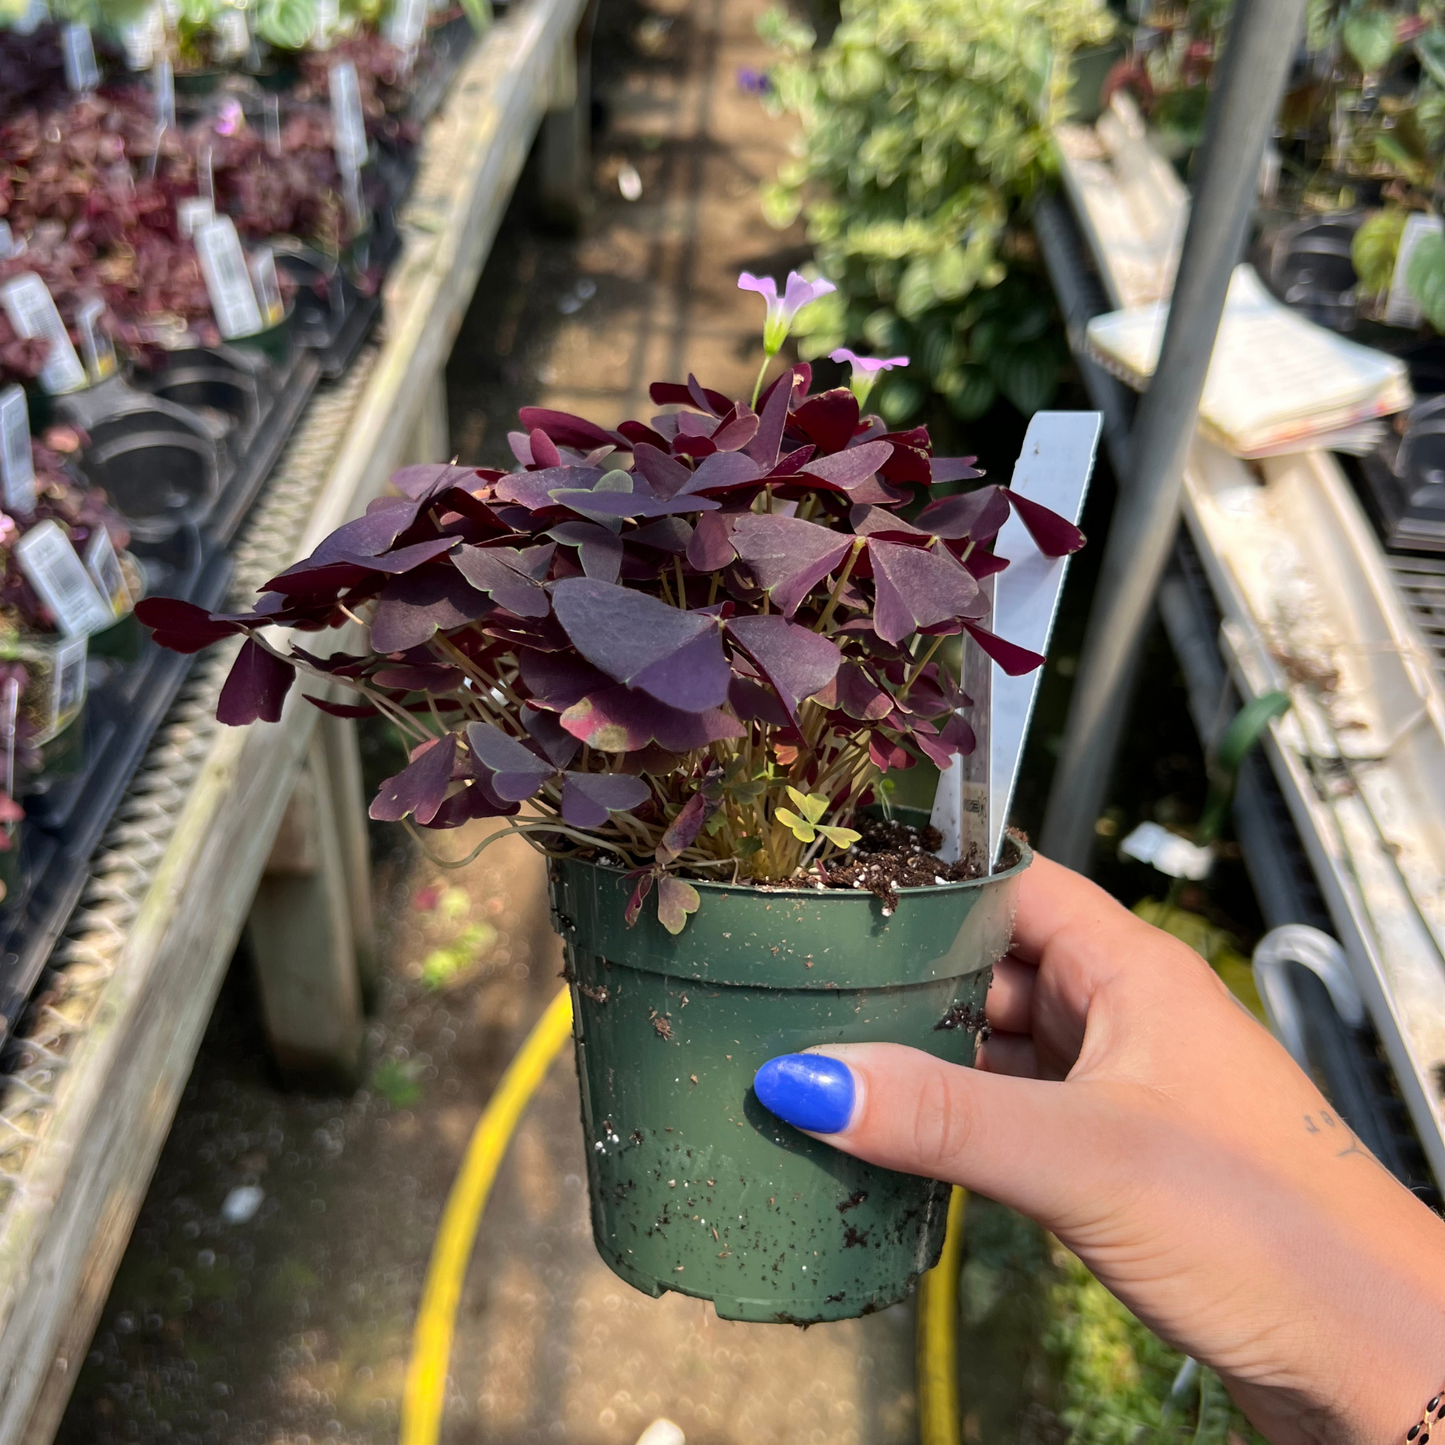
694,644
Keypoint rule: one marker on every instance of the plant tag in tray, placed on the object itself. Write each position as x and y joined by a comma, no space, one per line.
142,38
1401,307
31,309
82,74
228,282
193,213
347,121
67,690
17,465
233,35
9,717
328,17
406,23
104,568
267,285
97,346
165,81
53,569
8,247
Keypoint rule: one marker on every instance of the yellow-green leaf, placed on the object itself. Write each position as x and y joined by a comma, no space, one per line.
802,829
840,837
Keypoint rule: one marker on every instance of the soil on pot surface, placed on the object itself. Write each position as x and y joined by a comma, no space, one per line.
893,854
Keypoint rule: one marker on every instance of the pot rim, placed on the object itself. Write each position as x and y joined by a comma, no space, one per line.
778,890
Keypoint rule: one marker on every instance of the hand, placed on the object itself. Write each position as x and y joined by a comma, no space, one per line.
1129,1104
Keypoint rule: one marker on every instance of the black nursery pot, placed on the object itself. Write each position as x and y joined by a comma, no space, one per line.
694,1186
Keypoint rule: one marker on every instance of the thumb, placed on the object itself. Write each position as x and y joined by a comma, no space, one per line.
1039,1146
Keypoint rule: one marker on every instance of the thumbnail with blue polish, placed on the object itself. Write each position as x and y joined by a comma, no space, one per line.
808,1091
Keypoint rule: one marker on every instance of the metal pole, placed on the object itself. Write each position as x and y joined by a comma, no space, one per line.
1239,120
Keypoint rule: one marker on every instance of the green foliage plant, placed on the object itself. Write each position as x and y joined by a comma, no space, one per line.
925,135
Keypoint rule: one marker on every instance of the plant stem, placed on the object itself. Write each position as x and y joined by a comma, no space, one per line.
920,665
758,384
838,586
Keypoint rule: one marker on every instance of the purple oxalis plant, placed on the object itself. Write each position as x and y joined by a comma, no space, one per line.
692,645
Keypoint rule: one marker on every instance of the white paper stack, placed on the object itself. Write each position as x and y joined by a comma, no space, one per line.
1277,383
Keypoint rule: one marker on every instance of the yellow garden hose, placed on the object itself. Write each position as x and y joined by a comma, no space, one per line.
431,1346
431,1343
938,1335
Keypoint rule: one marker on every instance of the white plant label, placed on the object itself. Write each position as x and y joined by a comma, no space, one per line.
267,285
53,569
165,79
1401,307
406,23
7,241
82,74
9,717
98,348
328,17
193,213
233,35
31,309
206,178
36,14
104,568
228,282
17,465
143,38
68,691
347,121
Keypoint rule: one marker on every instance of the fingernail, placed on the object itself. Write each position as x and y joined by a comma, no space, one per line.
808,1091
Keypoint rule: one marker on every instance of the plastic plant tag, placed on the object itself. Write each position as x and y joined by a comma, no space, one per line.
17,465
347,121
267,285
223,264
104,568
82,74
1401,307
68,685
36,14
31,309
9,717
142,38
52,568
406,23
1172,855
328,17
165,82
7,241
97,347
272,104
193,213
233,35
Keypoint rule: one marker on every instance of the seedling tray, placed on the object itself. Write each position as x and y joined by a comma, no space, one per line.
66,822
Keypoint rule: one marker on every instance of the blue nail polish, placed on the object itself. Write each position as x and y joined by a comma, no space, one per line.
808,1091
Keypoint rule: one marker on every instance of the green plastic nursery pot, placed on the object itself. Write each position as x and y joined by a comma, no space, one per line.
695,1187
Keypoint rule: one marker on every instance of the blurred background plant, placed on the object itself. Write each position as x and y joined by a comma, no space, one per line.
924,138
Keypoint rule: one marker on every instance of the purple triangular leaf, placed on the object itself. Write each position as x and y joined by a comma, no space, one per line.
851,468
1014,660
914,588
564,429
366,536
428,478
735,435
1054,535
796,661
600,551
664,474
674,655
772,421
720,473
182,626
419,787
683,830
667,534
256,687
403,559
533,489
543,448
557,680
829,419
788,556
711,548
588,798
512,576
953,469
630,504
555,741
413,607
977,515
517,771
619,720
